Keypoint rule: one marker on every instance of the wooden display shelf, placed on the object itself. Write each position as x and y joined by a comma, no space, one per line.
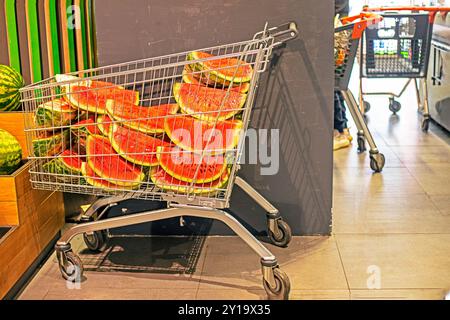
35,216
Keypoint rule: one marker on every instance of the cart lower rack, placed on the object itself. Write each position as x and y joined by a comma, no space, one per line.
346,41
168,128
399,47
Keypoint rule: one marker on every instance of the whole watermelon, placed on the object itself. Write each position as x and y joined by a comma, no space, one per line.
10,83
10,153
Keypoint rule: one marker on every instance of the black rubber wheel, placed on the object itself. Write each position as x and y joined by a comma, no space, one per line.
366,106
284,236
425,124
73,271
394,106
377,162
97,241
361,144
282,288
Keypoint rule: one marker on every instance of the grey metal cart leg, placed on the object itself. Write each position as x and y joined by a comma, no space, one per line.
377,159
275,281
423,105
279,232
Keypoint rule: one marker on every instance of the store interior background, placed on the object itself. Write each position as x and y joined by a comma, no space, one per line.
397,222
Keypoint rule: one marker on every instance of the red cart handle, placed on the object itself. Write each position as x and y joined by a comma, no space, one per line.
431,10
361,21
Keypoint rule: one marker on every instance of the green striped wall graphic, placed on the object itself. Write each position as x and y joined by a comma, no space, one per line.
46,37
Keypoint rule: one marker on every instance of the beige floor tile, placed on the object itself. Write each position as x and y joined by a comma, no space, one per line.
121,294
420,155
385,213
402,261
442,203
364,182
398,294
231,265
231,294
433,177
319,295
350,158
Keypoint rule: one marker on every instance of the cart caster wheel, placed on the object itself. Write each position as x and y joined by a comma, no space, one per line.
425,124
394,106
73,271
283,236
361,144
282,287
96,241
366,106
377,162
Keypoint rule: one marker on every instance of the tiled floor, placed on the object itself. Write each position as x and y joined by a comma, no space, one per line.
391,234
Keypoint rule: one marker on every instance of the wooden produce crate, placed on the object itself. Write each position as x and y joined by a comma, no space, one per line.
36,216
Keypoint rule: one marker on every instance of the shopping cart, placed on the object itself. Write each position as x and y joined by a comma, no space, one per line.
400,48
346,42
197,177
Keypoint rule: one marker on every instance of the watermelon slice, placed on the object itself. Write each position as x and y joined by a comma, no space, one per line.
94,100
87,126
197,136
188,166
135,146
94,180
103,124
107,164
230,69
49,143
54,113
144,119
165,181
71,160
206,103
202,79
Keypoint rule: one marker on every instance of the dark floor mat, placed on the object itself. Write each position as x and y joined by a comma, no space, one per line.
3,231
155,254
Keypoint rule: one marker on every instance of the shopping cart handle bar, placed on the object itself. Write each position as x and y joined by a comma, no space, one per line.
432,11
360,22
284,32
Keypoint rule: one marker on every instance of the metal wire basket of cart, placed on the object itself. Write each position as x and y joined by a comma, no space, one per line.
346,42
169,128
399,47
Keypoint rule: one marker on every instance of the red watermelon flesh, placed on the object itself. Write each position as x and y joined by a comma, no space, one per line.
88,125
135,146
94,100
165,181
196,135
106,163
188,166
144,119
225,68
207,103
95,180
104,123
189,76
71,159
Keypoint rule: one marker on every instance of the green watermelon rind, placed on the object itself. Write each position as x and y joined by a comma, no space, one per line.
124,154
135,125
11,81
218,74
185,179
209,190
235,142
51,116
55,143
10,153
209,116
128,183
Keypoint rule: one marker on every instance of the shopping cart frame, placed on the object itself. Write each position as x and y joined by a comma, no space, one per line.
394,105
354,28
95,223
